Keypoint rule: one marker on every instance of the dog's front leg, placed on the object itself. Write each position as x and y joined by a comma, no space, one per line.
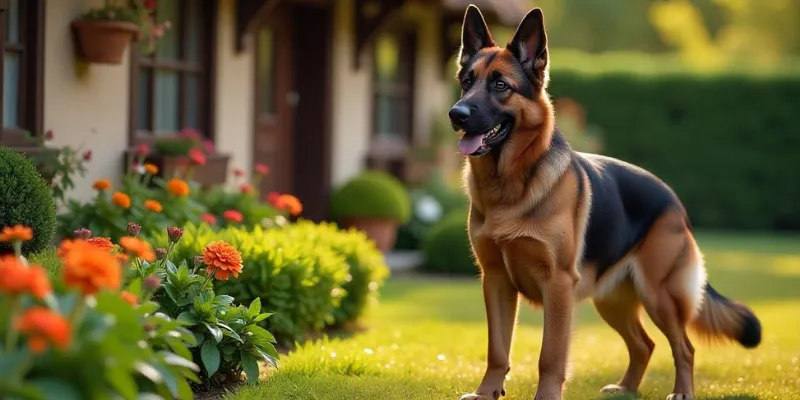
558,293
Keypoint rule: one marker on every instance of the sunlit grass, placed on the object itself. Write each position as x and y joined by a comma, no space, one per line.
427,340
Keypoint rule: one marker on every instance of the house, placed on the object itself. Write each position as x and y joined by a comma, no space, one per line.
317,89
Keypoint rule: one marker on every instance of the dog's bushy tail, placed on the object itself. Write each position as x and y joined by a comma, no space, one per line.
722,318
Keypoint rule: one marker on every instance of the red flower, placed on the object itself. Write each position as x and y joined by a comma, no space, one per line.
48,135
87,155
208,218
143,150
174,234
150,4
272,197
262,169
246,188
197,157
238,172
233,216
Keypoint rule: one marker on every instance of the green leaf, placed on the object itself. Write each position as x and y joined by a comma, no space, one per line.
53,388
135,287
261,317
171,267
229,349
261,333
250,366
223,299
148,307
122,381
12,363
188,317
215,331
176,360
255,307
230,332
209,353
272,360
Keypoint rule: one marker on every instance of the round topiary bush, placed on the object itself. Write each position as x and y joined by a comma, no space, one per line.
25,199
372,194
446,246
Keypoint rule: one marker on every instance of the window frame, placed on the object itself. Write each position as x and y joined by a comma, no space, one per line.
407,40
30,94
206,67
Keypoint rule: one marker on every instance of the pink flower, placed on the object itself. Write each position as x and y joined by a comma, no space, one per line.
197,157
246,188
48,135
208,218
143,150
238,172
150,4
262,169
208,145
87,155
189,133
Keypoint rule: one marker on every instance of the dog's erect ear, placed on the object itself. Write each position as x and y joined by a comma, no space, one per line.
529,45
474,35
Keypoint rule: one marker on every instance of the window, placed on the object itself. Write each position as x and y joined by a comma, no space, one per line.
171,87
393,84
21,34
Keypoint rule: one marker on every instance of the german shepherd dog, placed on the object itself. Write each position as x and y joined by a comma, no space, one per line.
557,226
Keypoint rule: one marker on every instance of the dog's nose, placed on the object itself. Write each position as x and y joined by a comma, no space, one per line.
459,114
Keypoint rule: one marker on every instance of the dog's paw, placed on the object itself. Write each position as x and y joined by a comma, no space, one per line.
475,396
679,396
614,389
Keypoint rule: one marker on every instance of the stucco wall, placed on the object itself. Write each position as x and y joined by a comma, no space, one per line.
83,103
88,103
351,88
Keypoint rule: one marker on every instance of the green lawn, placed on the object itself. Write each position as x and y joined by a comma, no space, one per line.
427,340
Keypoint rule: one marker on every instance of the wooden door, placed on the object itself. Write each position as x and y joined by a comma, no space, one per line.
275,101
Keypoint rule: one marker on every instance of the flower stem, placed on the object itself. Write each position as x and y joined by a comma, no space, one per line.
11,333
209,276
77,311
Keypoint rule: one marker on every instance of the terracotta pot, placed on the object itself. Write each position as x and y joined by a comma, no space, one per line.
383,231
214,172
103,42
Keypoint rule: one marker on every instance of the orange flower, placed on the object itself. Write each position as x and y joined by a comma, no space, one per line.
102,184
16,278
38,282
89,268
178,187
153,206
289,203
13,276
222,259
102,242
44,327
151,169
129,297
121,199
138,247
233,216
16,232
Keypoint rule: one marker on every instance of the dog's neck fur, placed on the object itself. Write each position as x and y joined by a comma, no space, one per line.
527,166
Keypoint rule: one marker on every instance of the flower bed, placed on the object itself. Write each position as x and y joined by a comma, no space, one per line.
123,322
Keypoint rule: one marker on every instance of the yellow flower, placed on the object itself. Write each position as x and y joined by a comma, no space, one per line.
121,199
153,206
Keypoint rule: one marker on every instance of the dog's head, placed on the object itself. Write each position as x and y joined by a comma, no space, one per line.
501,87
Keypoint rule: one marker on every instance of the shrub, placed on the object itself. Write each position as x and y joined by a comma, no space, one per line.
310,276
84,338
367,270
726,144
432,201
25,199
372,194
446,246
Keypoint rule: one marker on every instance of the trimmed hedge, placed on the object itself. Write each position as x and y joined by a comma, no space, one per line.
311,276
446,246
372,194
728,145
25,199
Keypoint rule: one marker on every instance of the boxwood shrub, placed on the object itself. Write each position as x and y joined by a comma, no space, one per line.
311,276
446,246
25,199
372,194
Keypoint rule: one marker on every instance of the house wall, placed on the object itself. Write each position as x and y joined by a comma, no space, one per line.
88,104
351,125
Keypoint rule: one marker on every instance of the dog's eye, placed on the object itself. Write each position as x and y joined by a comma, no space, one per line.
466,83
500,85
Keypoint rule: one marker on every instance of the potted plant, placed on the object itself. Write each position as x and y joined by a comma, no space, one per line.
186,156
103,34
374,202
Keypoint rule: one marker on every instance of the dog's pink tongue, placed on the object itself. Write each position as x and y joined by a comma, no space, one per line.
469,144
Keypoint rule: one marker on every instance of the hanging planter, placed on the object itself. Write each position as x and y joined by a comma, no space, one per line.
103,42
104,34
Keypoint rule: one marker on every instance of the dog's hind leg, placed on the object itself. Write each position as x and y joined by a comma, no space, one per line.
620,309
669,277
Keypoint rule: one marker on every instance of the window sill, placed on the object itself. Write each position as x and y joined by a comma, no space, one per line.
214,172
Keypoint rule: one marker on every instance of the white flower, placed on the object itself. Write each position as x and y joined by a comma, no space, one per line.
428,209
